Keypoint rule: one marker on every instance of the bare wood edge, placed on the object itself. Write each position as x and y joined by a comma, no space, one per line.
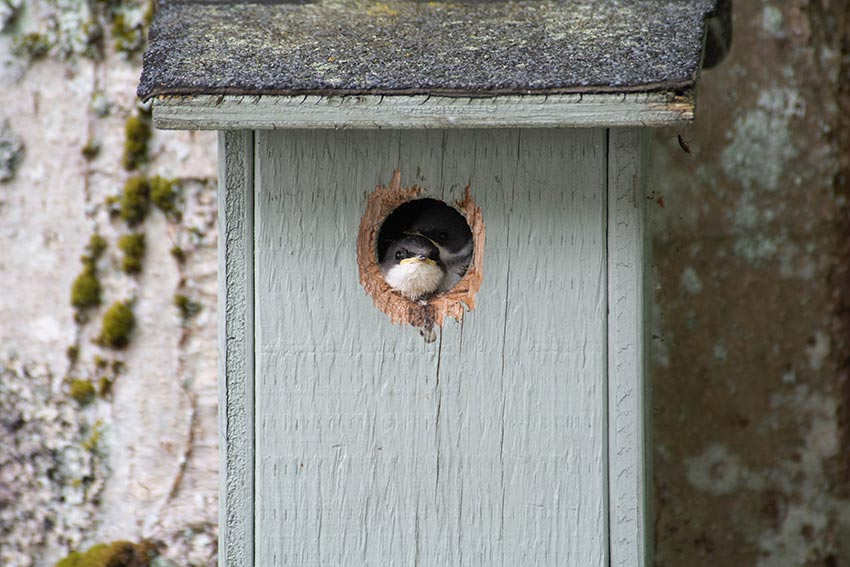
230,112
379,204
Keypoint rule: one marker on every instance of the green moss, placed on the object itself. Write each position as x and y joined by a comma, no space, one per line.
109,5
118,323
82,391
91,149
93,33
133,246
93,441
129,37
150,11
137,134
178,253
9,12
73,353
104,386
135,200
115,554
186,306
100,363
85,291
163,194
31,45
96,247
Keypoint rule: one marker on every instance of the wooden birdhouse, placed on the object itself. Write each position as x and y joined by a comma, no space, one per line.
498,422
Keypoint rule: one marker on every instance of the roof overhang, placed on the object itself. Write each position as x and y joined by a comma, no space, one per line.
415,64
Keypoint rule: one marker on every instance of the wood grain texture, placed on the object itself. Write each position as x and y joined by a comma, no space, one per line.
627,395
228,112
486,448
236,349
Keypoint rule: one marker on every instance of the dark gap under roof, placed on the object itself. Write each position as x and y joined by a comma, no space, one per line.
472,48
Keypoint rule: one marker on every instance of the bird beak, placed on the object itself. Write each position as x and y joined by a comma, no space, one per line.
411,233
417,260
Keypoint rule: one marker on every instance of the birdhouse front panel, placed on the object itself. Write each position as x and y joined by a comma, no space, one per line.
486,446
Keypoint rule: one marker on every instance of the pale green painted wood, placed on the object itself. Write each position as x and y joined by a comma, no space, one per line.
486,448
236,348
628,399
594,110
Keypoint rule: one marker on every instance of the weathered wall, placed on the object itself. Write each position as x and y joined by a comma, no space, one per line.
750,355
751,334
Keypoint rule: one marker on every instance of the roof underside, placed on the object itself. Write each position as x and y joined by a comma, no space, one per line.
472,48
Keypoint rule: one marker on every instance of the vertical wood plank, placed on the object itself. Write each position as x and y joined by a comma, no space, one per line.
627,398
542,193
236,348
485,448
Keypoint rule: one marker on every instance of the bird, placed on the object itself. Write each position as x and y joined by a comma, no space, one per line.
449,232
412,266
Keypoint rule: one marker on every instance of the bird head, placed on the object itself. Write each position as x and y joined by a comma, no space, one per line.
444,227
412,249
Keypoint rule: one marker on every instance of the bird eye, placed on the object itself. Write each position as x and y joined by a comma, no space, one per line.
399,255
443,236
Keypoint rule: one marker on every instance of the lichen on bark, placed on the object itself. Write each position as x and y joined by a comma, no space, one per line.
49,482
11,151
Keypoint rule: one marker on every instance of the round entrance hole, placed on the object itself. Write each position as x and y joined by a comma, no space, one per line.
400,225
423,237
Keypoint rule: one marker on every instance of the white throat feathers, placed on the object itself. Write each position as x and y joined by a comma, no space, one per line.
414,279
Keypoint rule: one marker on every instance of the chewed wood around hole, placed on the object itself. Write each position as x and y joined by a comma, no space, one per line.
432,311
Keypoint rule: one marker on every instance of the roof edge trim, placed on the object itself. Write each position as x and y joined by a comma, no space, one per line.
363,112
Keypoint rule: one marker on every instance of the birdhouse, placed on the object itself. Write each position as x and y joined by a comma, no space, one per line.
496,417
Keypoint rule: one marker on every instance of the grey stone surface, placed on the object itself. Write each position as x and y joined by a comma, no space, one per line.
406,47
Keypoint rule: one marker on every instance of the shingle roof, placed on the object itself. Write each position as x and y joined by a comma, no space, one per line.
436,47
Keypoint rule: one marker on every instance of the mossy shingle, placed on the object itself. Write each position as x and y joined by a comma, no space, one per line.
404,47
